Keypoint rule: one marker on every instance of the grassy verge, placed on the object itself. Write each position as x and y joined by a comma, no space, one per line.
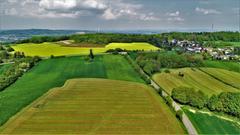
208,123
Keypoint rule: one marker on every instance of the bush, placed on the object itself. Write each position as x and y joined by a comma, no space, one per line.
167,71
152,62
189,96
168,100
179,114
16,71
227,102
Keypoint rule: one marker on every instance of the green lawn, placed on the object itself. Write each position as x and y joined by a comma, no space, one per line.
193,78
232,66
52,73
47,49
210,124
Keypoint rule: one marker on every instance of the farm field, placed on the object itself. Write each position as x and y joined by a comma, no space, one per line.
210,124
48,49
229,77
230,43
52,73
193,78
232,66
97,106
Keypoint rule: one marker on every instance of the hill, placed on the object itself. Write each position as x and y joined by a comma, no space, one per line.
52,73
97,106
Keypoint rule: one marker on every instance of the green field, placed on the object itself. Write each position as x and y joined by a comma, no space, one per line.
52,73
47,49
196,79
229,43
232,66
97,106
228,77
211,124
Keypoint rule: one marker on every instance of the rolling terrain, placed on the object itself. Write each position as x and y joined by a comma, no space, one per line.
194,78
96,106
52,73
48,49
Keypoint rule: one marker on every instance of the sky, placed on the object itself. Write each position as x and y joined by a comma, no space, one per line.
120,14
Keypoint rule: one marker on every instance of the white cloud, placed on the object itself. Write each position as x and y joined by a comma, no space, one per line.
177,13
109,15
176,19
207,11
57,4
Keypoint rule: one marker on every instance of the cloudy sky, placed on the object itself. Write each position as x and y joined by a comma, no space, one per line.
120,14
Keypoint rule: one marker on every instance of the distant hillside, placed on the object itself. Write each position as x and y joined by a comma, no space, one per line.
14,35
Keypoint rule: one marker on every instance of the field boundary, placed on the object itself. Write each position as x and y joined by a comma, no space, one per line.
35,102
218,78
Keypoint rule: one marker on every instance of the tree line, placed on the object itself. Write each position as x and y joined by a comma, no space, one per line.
16,70
155,39
154,62
226,102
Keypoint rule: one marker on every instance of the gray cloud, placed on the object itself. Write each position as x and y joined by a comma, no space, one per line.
103,9
113,14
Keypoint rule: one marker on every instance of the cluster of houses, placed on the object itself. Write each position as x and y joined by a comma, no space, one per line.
226,53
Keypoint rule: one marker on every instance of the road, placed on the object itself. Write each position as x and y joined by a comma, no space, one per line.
187,123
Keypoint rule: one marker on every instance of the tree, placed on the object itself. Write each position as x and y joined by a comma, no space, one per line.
91,56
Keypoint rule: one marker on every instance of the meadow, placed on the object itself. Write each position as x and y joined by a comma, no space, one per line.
97,106
231,66
194,78
210,124
48,49
52,73
237,44
228,77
